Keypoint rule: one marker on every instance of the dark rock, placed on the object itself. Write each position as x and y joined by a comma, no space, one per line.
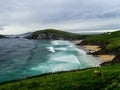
2,36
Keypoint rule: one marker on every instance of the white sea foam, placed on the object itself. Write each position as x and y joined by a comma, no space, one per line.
90,61
61,49
50,67
82,52
58,64
60,42
71,46
55,42
66,58
51,49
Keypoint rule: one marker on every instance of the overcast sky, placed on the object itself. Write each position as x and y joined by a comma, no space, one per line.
19,16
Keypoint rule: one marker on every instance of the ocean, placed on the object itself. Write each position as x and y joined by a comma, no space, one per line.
21,58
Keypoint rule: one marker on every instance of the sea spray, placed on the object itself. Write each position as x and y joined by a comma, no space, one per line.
81,52
61,49
51,49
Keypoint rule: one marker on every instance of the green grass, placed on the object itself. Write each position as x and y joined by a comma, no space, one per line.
103,37
113,44
113,39
76,80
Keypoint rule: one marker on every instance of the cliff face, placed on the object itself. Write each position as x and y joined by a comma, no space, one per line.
53,34
46,35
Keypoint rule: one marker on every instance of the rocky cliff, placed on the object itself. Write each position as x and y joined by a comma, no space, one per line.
53,34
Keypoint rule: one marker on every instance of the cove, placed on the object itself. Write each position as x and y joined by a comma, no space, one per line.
20,58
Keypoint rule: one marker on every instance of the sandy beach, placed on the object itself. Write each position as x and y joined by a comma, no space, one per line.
95,48
106,58
92,48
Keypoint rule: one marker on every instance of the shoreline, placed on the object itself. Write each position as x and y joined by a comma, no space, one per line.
87,53
90,49
102,57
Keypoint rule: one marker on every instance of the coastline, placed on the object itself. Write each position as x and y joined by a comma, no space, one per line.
90,49
87,51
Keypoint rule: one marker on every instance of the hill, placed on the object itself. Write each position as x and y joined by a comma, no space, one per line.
112,40
53,34
74,80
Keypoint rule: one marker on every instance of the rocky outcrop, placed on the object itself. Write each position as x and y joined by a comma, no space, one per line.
2,36
46,35
53,34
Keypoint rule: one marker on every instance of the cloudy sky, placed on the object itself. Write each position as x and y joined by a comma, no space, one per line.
19,16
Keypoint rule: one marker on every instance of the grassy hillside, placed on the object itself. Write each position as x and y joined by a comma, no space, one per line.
109,43
111,40
53,34
77,80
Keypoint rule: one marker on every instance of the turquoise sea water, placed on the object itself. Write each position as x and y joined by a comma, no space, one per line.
20,58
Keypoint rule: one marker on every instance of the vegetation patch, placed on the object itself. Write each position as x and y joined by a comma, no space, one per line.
111,40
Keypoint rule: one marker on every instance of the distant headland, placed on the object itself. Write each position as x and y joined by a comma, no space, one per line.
54,34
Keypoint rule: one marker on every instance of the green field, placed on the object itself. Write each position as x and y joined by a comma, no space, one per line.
74,80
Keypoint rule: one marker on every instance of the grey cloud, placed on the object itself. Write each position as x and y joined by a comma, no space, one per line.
2,26
45,12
